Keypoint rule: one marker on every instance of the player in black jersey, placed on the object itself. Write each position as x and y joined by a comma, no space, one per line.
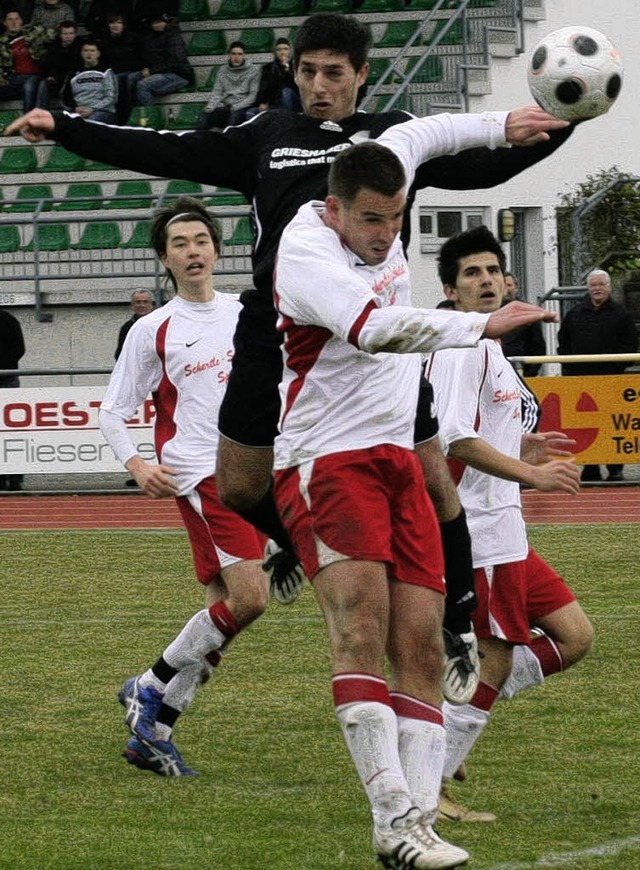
280,160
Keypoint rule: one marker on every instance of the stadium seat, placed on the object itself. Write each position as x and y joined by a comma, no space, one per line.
147,116
181,187
430,71
477,4
103,234
398,33
61,160
138,193
9,238
343,7
140,237
225,196
8,116
235,9
193,10
257,40
377,66
210,80
187,117
28,197
50,237
81,195
454,36
380,6
284,8
21,158
416,5
242,233
207,42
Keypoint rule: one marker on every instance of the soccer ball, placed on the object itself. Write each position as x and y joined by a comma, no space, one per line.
575,73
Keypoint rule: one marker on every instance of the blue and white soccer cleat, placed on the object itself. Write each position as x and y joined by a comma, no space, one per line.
160,757
141,704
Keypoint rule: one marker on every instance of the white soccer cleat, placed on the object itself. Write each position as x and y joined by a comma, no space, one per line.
286,577
410,843
461,671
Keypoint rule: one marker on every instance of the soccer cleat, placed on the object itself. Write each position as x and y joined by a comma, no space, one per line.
141,704
286,577
449,810
160,757
461,672
461,773
410,843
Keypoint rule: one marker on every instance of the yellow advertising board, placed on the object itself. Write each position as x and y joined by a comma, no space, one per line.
602,414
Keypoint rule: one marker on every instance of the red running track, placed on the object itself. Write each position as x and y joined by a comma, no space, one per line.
135,511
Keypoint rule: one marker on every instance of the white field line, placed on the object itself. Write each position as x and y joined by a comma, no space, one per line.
605,850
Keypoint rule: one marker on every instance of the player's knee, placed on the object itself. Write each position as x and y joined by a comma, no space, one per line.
579,644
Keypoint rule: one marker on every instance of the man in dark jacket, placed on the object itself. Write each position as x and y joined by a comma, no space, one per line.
122,51
62,58
597,325
526,341
11,352
277,87
166,66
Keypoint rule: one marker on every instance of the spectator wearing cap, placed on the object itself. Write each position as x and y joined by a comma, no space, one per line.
277,88
234,92
166,66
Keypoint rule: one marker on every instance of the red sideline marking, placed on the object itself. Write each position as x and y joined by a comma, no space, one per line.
593,505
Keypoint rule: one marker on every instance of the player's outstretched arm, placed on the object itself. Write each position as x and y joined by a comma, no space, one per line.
514,315
35,126
529,125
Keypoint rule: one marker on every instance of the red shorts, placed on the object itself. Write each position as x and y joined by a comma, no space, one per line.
513,596
219,537
363,504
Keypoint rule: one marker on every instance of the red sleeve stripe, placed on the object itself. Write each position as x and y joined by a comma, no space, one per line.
354,332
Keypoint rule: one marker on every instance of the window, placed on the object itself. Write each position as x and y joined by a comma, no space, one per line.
437,225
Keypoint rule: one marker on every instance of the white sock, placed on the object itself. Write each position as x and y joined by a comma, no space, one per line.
199,637
181,691
422,748
371,733
525,673
464,725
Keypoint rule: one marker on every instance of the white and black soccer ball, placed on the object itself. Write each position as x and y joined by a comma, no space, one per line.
575,73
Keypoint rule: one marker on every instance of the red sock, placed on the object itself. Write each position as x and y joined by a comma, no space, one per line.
485,697
548,654
356,688
413,708
223,619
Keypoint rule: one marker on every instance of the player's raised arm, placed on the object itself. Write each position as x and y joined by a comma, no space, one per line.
531,124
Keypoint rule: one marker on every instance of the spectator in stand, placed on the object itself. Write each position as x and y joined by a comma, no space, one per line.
51,14
22,50
166,66
597,325
63,57
92,90
137,13
122,51
277,88
526,341
234,92
11,352
142,302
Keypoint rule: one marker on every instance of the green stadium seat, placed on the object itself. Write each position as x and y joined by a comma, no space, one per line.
479,4
454,36
140,237
416,5
210,80
242,233
398,33
257,40
430,71
377,66
380,6
147,116
181,187
50,237
225,196
21,158
284,8
103,234
235,9
80,196
28,197
61,160
343,7
187,117
138,193
205,42
8,116
9,239
193,10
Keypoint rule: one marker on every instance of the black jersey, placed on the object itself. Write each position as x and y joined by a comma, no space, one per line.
279,160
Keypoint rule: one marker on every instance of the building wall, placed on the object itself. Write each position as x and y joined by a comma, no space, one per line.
597,144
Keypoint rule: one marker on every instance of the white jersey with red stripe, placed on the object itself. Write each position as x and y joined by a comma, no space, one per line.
478,395
181,353
340,389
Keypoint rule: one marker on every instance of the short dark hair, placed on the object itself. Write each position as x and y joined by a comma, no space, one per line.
91,40
236,44
365,165
65,25
335,33
187,209
474,241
